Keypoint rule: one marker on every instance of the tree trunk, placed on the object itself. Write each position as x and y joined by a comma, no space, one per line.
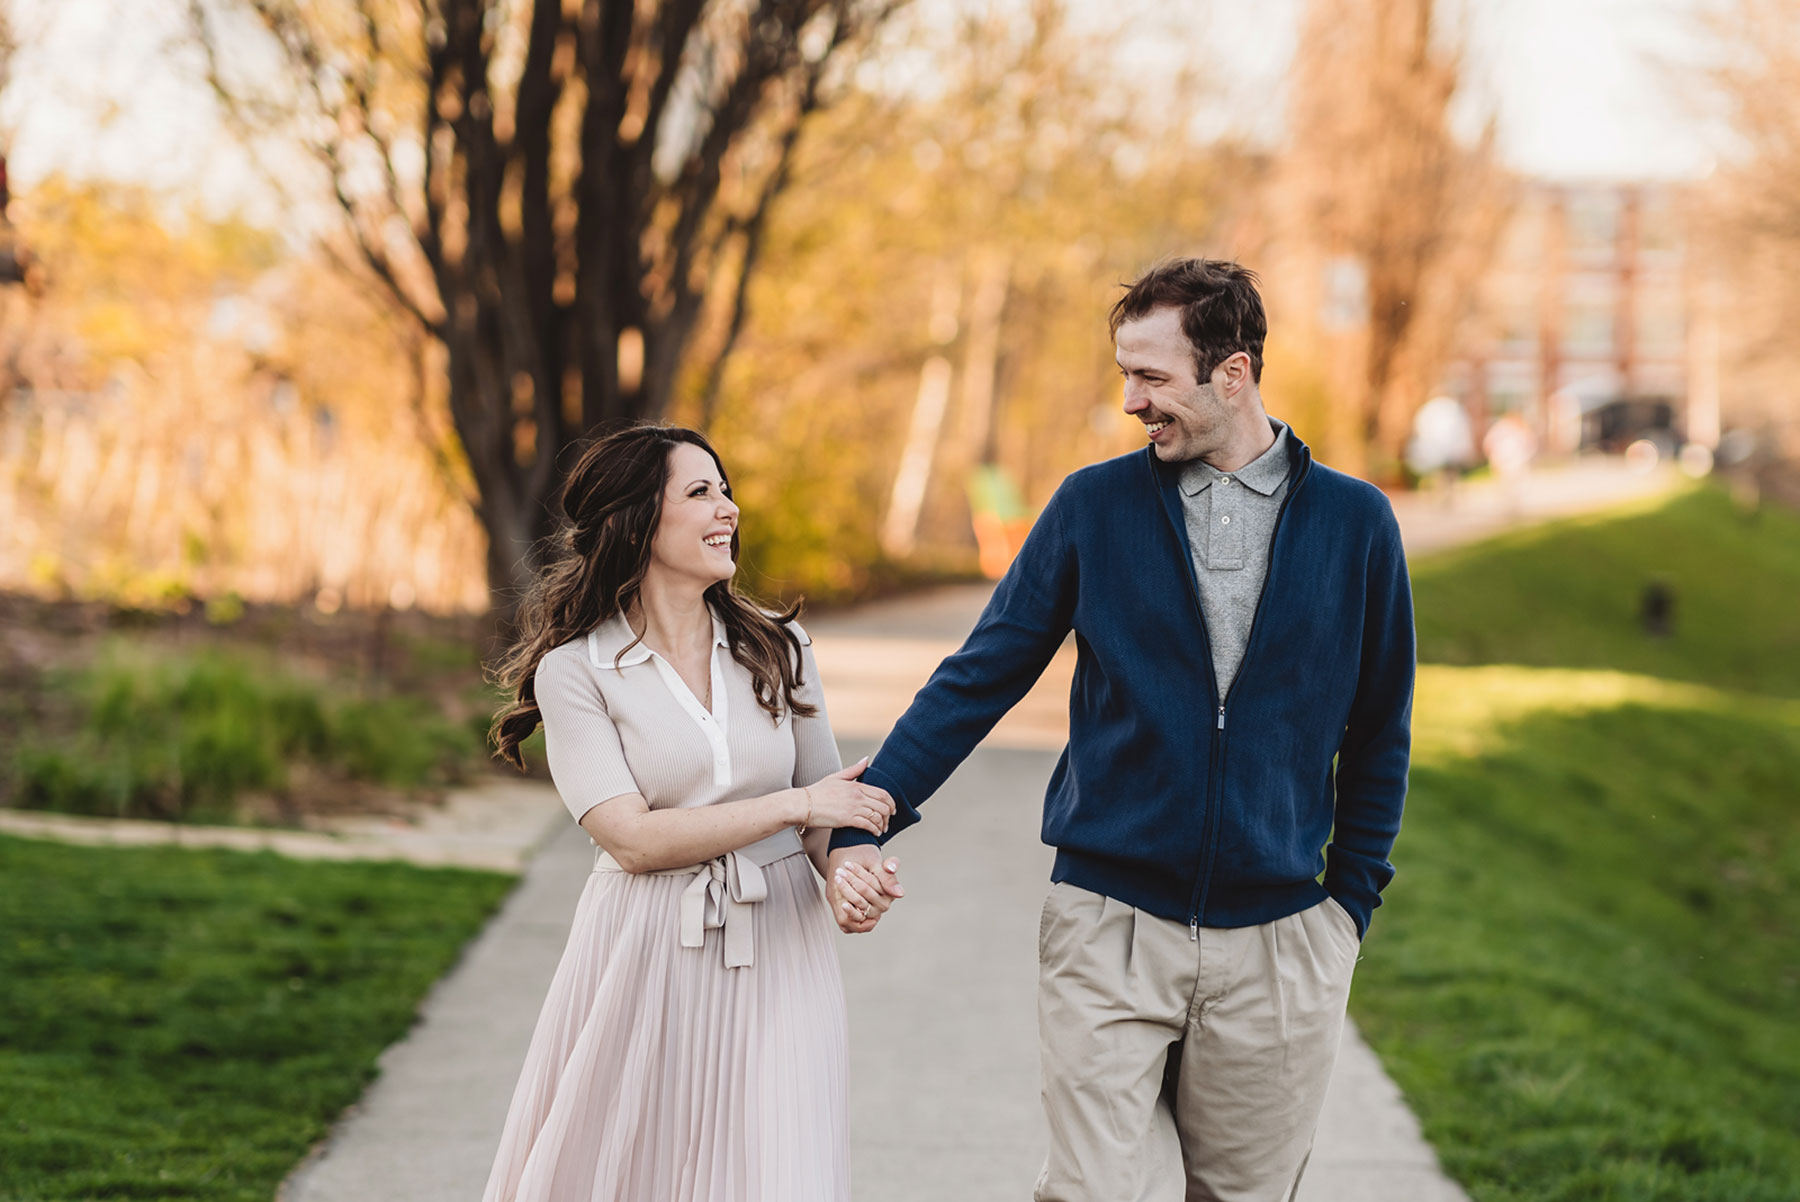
577,209
1385,182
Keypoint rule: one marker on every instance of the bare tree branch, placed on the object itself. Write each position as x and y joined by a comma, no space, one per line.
751,228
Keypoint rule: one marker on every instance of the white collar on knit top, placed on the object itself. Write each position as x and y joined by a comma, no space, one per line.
605,641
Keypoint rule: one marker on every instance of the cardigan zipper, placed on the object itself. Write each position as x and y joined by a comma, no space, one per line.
1212,751
1215,759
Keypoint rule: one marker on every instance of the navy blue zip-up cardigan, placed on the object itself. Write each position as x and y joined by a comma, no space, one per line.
1210,810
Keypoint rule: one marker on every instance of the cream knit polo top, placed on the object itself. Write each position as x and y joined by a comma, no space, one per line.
635,727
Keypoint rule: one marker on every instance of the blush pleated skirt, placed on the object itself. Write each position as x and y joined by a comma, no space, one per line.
656,1074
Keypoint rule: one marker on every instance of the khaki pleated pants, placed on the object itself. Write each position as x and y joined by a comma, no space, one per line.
1178,1067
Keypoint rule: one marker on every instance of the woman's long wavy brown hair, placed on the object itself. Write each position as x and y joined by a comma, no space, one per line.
594,567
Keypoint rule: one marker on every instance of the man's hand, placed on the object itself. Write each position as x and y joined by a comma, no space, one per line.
863,886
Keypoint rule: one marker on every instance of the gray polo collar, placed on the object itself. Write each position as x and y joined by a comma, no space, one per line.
1264,474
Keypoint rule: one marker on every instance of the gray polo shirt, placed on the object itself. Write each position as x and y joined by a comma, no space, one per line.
1230,520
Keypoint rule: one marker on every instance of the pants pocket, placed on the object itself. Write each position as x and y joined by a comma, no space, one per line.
1345,923
1044,920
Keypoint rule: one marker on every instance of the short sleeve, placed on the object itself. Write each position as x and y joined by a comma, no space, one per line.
815,747
587,760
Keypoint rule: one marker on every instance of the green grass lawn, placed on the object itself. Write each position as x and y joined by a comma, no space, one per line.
1567,595
1586,977
184,1024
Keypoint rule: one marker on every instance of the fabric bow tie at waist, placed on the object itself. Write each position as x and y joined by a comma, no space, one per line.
722,892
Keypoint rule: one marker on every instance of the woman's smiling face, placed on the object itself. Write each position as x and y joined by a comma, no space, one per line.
697,535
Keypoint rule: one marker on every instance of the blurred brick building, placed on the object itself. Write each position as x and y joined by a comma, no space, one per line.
1593,321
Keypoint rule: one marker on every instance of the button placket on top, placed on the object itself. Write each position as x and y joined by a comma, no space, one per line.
1224,530
714,724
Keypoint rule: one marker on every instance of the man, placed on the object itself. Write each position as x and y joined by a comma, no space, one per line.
1242,620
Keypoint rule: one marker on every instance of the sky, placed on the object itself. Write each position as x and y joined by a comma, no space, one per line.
1581,89
1606,88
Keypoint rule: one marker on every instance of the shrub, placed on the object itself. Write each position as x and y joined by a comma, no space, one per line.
183,736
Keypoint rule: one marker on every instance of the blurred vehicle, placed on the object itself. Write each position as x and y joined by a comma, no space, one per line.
1616,424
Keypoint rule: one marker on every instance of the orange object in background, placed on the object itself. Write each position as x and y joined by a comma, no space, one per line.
1000,518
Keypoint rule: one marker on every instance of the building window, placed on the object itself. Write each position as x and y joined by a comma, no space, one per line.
1661,326
1593,225
1588,329
1510,400
1659,226
1518,321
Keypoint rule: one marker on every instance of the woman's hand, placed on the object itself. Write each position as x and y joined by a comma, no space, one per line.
863,893
840,800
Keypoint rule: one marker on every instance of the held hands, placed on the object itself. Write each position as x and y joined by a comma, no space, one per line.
839,800
863,886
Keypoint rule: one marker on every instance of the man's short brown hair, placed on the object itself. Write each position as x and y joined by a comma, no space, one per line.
1221,309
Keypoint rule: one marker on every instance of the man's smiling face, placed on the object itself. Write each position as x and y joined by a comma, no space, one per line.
1183,417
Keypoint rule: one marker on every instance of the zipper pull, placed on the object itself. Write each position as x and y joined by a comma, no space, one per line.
1221,717
1194,928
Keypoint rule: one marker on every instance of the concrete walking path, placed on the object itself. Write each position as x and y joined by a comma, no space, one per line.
427,1128
496,826
942,997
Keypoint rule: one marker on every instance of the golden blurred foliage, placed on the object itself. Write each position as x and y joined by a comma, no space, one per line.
190,409
1749,218
964,238
905,343
554,193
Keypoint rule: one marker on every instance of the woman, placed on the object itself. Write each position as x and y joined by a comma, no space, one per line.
692,1046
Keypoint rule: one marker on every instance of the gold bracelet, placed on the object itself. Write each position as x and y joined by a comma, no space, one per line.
807,792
